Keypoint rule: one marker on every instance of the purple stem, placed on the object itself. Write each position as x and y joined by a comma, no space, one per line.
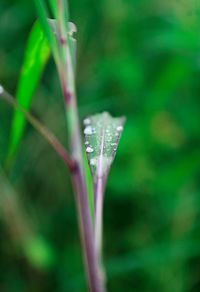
91,258
99,198
86,229
68,87
99,194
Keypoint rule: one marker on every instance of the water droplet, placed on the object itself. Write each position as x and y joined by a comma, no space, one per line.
93,162
89,149
1,89
86,122
88,130
119,128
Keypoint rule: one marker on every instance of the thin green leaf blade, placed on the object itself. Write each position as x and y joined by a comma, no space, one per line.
43,15
102,135
43,18
36,57
54,7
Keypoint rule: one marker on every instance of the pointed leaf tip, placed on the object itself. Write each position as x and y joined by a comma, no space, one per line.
102,134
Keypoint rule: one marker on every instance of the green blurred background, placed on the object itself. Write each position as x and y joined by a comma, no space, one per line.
140,58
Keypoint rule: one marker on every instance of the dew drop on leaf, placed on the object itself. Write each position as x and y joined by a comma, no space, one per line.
93,161
89,149
119,128
86,122
88,130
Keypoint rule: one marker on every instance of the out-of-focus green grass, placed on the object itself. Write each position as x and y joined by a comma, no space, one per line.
138,58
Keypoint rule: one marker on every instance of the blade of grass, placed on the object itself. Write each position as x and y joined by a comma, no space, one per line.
102,135
44,21
37,55
43,17
54,8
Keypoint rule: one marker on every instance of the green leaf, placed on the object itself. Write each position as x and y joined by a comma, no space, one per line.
43,15
36,57
102,135
54,7
43,18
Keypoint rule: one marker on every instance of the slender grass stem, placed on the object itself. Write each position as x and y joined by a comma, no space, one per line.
91,258
47,135
86,229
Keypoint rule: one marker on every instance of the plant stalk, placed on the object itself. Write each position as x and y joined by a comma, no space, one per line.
85,222
99,187
94,275
99,196
98,236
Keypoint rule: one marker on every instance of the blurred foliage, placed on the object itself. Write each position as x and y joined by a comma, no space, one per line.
141,59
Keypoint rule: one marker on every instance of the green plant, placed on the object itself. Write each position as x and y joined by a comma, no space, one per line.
102,132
